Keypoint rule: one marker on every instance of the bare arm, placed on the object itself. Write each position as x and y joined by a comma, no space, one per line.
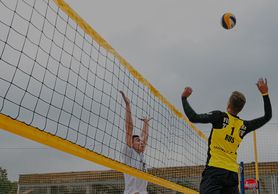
128,121
145,130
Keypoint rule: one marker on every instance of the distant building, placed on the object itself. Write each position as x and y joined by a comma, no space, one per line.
108,182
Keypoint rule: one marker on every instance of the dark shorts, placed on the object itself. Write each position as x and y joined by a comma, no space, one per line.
219,181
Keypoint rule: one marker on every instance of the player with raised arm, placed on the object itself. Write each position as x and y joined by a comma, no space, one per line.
221,172
133,152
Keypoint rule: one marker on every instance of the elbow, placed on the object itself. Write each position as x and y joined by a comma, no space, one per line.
192,118
269,116
129,142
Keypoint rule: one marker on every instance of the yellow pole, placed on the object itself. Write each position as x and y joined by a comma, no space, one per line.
256,157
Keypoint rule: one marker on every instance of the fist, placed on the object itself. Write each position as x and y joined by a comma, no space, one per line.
186,92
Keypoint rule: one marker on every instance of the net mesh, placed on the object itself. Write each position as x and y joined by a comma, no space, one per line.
62,81
267,158
81,182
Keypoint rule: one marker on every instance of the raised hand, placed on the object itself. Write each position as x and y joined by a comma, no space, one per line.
145,119
127,101
187,92
262,85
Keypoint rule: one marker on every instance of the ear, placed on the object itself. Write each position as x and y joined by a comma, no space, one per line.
228,106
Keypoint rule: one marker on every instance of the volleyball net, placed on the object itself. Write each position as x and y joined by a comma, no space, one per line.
59,86
263,170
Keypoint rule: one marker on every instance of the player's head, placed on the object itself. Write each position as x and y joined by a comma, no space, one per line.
236,102
137,144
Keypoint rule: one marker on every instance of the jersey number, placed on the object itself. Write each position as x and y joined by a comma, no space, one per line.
230,138
233,129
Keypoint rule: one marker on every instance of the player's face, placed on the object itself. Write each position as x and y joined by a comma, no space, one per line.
138,145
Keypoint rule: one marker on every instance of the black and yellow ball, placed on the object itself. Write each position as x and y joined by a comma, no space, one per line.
228,21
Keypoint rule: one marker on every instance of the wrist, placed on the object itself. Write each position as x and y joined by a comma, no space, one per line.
184,98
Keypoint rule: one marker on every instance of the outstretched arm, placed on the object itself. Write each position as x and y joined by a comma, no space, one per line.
259,122
128,121
145,130
192,115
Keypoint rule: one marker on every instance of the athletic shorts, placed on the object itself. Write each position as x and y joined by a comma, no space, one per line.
219,181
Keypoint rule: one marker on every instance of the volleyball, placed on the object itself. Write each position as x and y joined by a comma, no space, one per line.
228,21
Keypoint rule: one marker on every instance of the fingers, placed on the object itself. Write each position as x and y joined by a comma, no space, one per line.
258,83
146,119
262,85
149,119
189,89
265,81
122,93
126,100
261,82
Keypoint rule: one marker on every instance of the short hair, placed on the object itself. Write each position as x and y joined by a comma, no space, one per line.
237,101
134,136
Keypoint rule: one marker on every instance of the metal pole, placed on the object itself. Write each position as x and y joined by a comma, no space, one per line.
256,161
241,168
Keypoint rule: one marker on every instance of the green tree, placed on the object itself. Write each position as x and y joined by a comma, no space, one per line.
6,186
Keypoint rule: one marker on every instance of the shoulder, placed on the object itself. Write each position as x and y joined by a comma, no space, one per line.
127,149
217,118
217,115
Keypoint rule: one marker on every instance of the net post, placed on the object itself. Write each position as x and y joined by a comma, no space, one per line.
256,161
259,187
241,168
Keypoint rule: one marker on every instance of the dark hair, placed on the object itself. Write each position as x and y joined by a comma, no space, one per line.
237,101
134,136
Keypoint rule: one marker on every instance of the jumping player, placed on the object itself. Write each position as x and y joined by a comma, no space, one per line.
133,152
221,172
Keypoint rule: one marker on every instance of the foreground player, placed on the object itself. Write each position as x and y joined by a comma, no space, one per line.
133,152
221,173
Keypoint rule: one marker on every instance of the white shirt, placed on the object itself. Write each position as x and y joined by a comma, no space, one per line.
135,160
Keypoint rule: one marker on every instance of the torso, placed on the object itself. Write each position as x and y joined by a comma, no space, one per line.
224,142
135,160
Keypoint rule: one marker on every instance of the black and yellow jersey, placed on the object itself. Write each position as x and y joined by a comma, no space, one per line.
227,133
